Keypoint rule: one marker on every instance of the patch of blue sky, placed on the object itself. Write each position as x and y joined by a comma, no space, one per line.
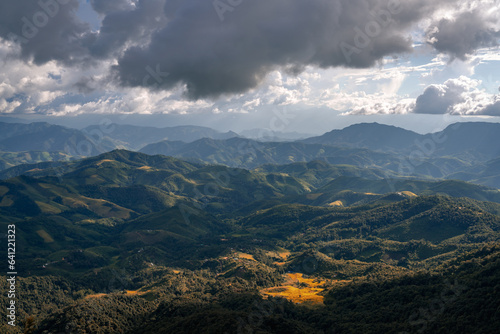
88,14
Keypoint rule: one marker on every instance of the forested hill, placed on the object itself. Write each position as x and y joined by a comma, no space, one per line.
126,242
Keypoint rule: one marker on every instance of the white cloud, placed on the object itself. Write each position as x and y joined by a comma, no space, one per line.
460,96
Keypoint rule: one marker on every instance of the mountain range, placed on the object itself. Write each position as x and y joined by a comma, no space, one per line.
475,140
160,243
128,229
464,151
135,137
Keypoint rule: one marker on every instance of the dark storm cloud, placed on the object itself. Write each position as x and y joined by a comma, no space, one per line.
124,23
464,34
46,30
49,30
230,49
217,47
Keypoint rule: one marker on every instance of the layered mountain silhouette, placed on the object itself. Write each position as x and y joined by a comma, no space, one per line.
16,137
135,137
465,151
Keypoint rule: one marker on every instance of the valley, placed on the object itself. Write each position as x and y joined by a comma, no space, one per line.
126,242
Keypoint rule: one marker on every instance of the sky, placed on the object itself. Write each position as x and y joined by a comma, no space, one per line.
285,65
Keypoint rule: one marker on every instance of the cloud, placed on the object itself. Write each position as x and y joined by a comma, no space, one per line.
214,48
153,53
125,25
56,90
26,87
469,31
383,106
438,99
46,30
491,110
211,58
461,96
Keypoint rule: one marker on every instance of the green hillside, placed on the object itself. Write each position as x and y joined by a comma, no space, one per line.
164,245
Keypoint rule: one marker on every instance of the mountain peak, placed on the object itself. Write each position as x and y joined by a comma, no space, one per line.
374,136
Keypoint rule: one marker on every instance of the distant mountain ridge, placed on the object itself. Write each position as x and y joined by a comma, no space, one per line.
135,137
38,142
17,137
373,136
269,135
473,139
248,153
464,151
476,140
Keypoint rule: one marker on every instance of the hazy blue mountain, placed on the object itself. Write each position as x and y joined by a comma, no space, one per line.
373,136
269,135
247,153
470,141
474,140
16,137
7,119
460,151
135,137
